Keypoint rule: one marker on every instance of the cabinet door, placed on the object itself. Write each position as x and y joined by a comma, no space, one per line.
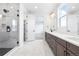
69,53
47,37
73,48
61,51
61,41
53,46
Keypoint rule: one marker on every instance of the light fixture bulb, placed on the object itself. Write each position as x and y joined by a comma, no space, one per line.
11,7
73,7
36,7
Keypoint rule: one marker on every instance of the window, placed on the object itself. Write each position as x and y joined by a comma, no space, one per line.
63,21
62,18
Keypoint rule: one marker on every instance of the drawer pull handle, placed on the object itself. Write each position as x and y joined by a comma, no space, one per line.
68,54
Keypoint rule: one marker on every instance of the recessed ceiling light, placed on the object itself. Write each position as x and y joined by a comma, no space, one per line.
73,7
36,7
11,7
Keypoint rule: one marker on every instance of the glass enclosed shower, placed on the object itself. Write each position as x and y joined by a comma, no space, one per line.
9,22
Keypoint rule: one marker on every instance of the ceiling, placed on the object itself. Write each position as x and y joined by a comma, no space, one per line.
74,7
40,8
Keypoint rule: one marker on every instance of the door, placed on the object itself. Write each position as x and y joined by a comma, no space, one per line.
31,28
35,28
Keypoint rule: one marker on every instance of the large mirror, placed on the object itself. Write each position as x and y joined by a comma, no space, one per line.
68,18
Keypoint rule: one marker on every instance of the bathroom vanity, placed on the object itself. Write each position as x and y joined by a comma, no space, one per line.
62,45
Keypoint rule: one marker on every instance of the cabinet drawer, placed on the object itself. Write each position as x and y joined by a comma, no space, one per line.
61,41
74,49
69,53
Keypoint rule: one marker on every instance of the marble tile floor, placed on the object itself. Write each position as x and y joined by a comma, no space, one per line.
32,48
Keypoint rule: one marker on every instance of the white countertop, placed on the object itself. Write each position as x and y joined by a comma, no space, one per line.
69,38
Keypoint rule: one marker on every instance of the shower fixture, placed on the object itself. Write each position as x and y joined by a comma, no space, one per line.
5,10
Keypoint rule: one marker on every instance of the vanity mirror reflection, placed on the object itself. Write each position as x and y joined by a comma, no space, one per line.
68,19
65,19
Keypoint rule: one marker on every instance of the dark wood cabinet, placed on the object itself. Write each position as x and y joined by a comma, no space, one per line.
60,47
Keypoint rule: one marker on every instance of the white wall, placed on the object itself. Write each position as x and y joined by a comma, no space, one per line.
50,23
21,24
